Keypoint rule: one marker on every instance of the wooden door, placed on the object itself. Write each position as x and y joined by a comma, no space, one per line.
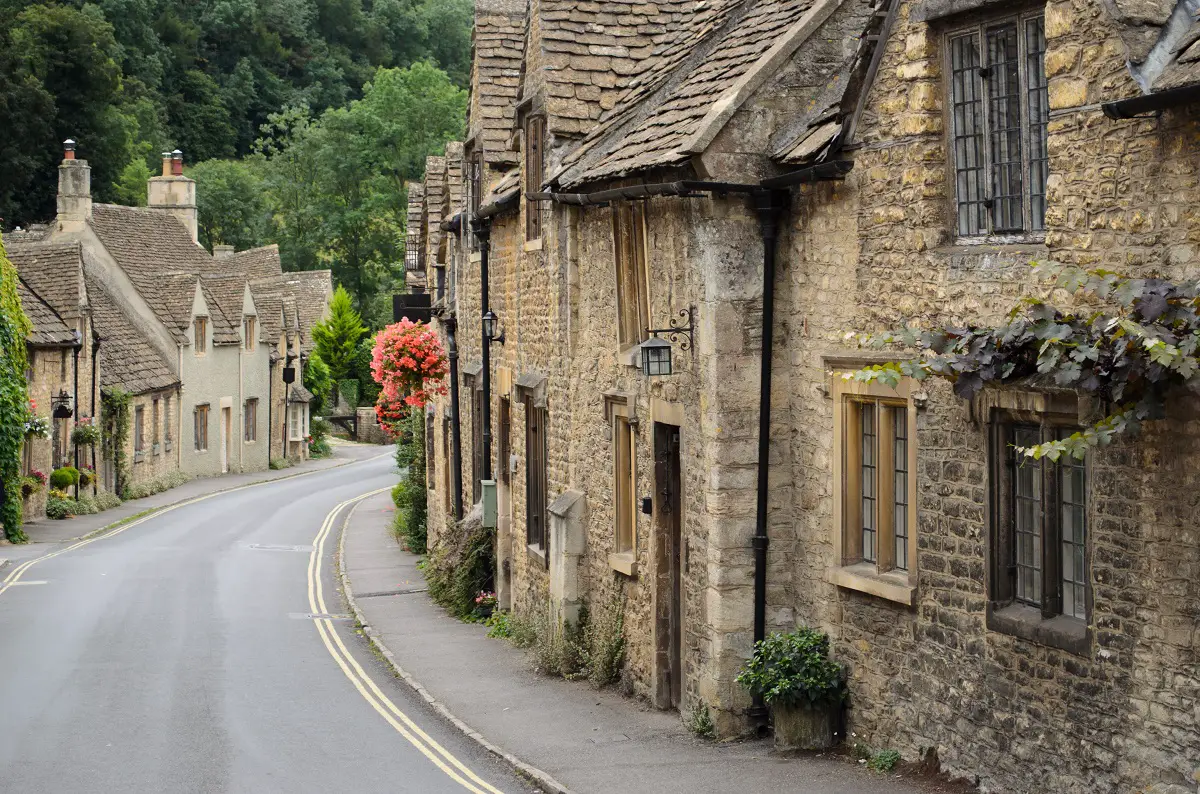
669,565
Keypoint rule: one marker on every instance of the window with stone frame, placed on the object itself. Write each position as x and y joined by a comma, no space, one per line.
251,419
875,509
139,428
535,133
200,326
536,485
1040,569
155,419
633,288
477,453
999,109
249,332
200,421
167,419
624,490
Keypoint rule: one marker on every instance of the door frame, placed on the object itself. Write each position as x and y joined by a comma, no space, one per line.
670,562
226,440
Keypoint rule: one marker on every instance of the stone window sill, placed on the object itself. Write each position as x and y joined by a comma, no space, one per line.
533,245
477,256
863,577
537,555
167,446
1021,620
624,562
139,456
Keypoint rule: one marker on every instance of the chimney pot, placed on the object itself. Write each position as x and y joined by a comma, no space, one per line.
69,149
176,163
166,157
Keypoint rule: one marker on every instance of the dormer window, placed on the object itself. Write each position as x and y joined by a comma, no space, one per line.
200,327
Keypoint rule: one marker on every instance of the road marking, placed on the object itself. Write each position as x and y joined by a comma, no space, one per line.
36,581
366,687
15,576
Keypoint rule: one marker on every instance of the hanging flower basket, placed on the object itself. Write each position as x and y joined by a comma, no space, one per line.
408,362
85,433
36,426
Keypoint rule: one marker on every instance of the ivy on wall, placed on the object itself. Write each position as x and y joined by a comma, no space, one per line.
1132,344
114,433
14,397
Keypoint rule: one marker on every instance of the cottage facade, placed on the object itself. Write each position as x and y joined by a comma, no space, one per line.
884,164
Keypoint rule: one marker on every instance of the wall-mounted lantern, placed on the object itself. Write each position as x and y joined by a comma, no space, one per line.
490,322
656,352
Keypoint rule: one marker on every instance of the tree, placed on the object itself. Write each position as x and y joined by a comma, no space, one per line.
337,337
230,204
317,381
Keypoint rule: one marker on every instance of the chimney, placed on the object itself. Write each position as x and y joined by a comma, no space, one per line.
74,190
223,251
173,193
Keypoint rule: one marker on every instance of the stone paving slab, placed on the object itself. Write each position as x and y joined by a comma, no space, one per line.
586,740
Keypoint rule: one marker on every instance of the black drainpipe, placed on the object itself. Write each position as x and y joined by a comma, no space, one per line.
270,405
482,227
75,386
456,470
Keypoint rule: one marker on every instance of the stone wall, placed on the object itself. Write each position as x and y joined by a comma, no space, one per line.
158,459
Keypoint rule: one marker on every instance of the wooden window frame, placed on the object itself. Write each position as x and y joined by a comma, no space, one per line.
537,480
631,273
139,429
200,420
249,329
250,421
166,412
623,424
200,334
880,578
534,145
1043,620
979,27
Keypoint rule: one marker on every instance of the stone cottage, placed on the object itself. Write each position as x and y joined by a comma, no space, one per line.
748,182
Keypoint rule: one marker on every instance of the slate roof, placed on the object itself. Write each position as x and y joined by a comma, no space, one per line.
54,271
1162,41
592,49
656,124
298,394
499,39
301,297
49,328
503,187
128,360
257,263
229,292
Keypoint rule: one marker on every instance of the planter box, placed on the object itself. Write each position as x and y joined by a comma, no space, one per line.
804,728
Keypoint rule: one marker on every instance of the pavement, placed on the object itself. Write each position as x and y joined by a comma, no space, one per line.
46,533
568,736
203,649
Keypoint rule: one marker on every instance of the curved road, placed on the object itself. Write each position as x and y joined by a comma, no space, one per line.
181,655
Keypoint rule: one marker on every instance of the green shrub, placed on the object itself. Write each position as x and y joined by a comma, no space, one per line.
280,463
59,508
64,478
107,501
159,484
458,570
86,506
883,761
318,435
605,643
85,478
500,625
794,669
348,388
700,722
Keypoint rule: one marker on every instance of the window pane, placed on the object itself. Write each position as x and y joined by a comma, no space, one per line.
868,481
1073,512
1027,518
1038,103
1004,111
900,485
967,105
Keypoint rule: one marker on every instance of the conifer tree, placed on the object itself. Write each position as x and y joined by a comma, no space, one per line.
337,337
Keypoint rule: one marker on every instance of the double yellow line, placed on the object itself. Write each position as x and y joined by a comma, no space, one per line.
423,742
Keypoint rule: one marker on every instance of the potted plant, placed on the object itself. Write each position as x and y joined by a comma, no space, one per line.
85,433
805,689
33,483
36,426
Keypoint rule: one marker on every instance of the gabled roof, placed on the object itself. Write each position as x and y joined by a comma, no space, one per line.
704,76
229,293
258,263
301,297
593,49
54,271
128,360
499,48
49,328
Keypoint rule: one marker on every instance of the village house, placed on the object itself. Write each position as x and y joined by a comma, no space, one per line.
206,348
747,183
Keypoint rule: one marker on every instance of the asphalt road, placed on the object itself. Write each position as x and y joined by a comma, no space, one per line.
181,655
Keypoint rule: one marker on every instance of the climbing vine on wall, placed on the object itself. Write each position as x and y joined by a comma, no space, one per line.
1131,343
14,397
114,434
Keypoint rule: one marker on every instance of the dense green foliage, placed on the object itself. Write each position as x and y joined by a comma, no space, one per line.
409,495
317,381
63,478
794,669
14,396
338,335
1132,344
131,78
114,433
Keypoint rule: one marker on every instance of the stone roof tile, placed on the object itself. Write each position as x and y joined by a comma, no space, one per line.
49,329
128,360
54,271
257,263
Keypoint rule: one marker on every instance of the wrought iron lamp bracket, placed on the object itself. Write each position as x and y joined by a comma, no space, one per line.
677,329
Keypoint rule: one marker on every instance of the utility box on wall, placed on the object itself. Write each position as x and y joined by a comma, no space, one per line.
489,503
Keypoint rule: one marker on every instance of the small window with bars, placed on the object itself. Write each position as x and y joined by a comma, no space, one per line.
535,133
1040,537
877,486
999,107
